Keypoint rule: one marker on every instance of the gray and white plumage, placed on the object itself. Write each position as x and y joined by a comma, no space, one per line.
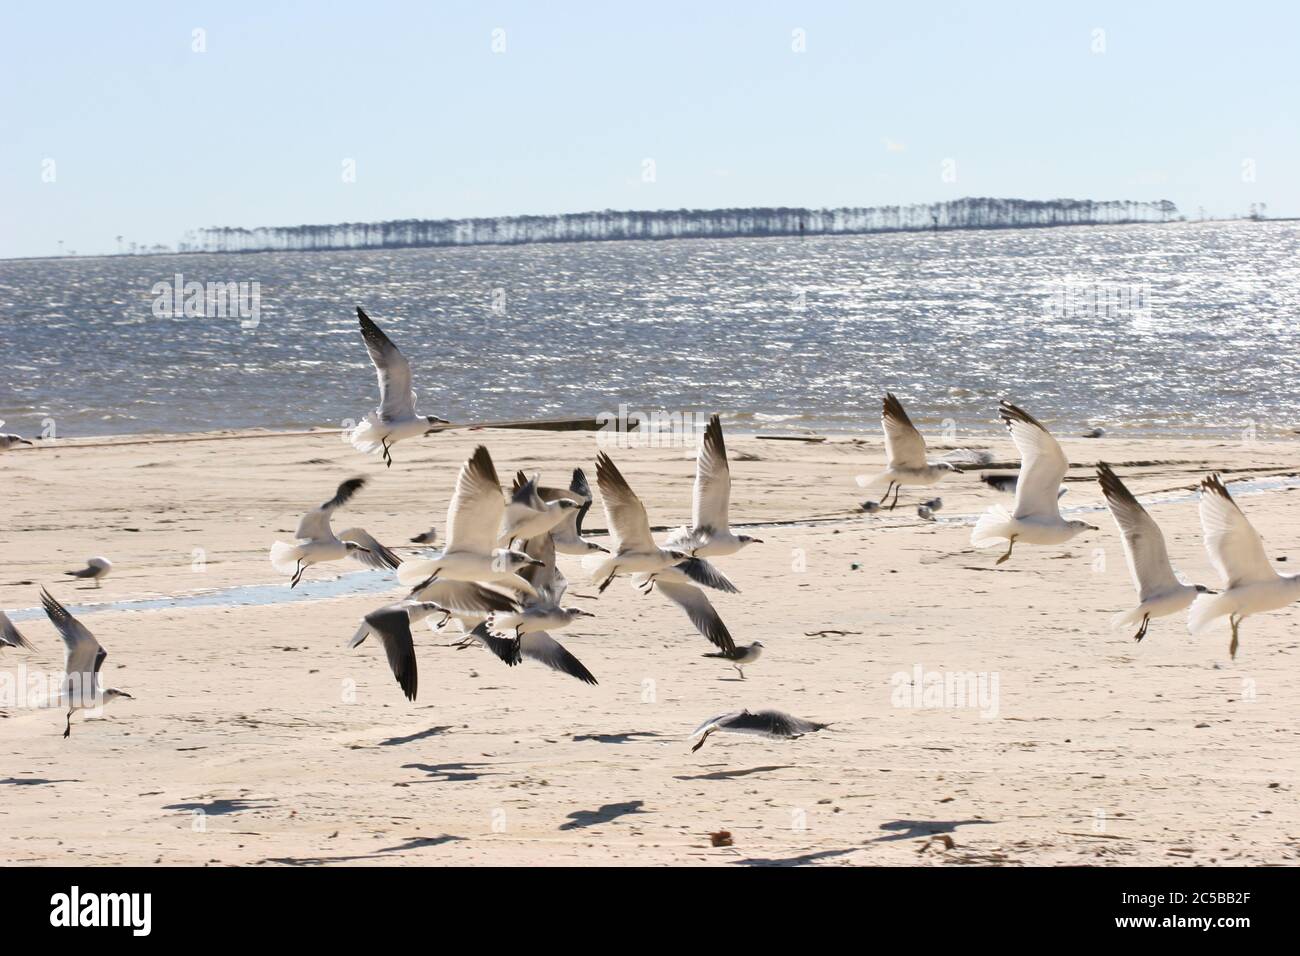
741,656
96,570
710,534
426,537
528,514
634,549
315,541
773,724
83,656
567,535
8,441
10,636
536,645
906,453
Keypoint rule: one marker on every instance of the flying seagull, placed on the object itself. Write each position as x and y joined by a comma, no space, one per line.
1159,590
567,535
710,534
8,441
742,656
316,541
1251,586
528,515
1037,517
10,636
634,547
473,525
536,645
82,658
905,449
678,583
395,418
775,724
543,612
96,569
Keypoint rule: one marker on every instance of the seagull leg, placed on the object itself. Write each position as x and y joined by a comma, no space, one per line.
388,459
67,728
885,496
1235,621
297,575
702,739
898,488
1142,631
1010,544
604,584
739,671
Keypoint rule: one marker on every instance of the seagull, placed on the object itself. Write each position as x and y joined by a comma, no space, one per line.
709,534
395,417
8,441
871,507
473,523
1037,517
426,537
925,512
567,535
82,658
10,636
934,504
527,515
1159,590
634,547
1236,550
763,723
1094,432
96,569
905,449
541,613
678,583
316,541
538,646
742,656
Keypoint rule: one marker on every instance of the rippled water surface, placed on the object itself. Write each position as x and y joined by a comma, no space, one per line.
778,333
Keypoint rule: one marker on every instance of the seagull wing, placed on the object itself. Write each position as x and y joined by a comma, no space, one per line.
903,443
396,399
628,524
1144,545
1235,547
315,524
1042,465
10,635
464,597
707,574
711,504
540,646
541,578
375,555
767,723
392,625
580,487
474,517
82,654
702,614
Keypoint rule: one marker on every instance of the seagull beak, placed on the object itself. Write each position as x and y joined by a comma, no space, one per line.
537,564
582,613
123,693
757,541
1094,527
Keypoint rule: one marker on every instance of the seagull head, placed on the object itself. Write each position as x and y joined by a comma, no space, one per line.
1082,526
435,420
574,612
745,539
950,466
112,694
566,504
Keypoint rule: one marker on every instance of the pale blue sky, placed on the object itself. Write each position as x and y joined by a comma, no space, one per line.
150,139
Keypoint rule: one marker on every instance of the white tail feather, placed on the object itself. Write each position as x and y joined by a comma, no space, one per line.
415,572
1206,609
991,528
284,557
1125,618
365,437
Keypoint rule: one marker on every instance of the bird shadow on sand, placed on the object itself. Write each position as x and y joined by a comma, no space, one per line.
617,738
414,843
912,829
729,774
801,860
610,811
448,772
398,741
217,808
33,781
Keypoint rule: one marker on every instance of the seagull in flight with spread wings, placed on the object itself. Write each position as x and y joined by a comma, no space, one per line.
710,534
395,418
774,724
905,449
634,549
1160,593
1251,586
1037,517
83,656
317,542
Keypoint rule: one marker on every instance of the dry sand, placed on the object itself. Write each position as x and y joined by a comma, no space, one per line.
244,746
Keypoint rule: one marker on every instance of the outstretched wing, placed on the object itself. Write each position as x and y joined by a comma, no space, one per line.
82,654
701,613
1235,547
712,500
375,556
1042,464
903,443
1144,544
315,524
474,517
628,523
396,399
392,625
540,646
10,635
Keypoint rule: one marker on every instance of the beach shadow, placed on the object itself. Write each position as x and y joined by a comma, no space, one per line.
414,843
610,811
800,860
448,772
912,829
218,808
617,738
729,774
397,741
33,781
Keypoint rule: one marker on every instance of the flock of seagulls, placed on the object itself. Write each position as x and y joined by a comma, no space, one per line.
496,574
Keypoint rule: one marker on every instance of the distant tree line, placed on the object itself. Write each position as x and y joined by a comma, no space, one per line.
684,224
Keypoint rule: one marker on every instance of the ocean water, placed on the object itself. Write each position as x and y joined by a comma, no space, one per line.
1147,330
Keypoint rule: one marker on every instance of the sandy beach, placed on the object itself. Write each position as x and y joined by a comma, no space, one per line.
255,737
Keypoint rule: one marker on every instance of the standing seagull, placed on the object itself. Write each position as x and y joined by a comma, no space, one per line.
82,658
1159,590
710,533
905,449
96,569
775,724
741,656
395,417
317,541
473,524
567,535
8,441
1237,551
10,636
634,547
1037,517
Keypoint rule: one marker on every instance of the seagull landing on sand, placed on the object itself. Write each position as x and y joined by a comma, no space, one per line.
82,658
316,541
8,441
710,532
763,723
1237,552
395,418
473,524
10,636
96,569
905,449
634,549
1037,517
742,656
1159,590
